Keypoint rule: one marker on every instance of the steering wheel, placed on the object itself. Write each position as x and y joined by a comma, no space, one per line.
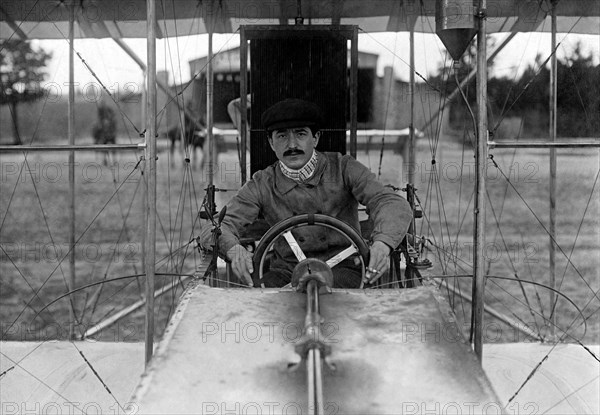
284,228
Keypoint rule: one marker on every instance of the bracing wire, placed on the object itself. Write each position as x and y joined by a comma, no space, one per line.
114,253
95,372
587,205
536,368
197,74
33,290
402,60
517,69
542,225
461,220
499,277
565,331
542,65
574,392
37,346
25,155
104,87
387,109
43,382
505,190
76,242
580,311
34,7
18,180
462,94
45,219
124,277
584,109
510,260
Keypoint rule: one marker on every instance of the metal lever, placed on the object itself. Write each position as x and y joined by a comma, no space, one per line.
212,267
313,349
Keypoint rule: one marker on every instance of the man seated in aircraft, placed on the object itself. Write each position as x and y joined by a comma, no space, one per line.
306,181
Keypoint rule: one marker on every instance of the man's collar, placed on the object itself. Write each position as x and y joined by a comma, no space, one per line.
302,174
285,184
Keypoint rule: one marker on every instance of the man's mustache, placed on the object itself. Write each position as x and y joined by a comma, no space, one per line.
293,152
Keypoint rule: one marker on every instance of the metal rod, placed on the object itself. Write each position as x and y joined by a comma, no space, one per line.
311,310
318,364
480,194
97,328
71,138
410,163
310,373
212,161
353,91
90,147
150,171
130,52
495,313
209,111
312,302
313,360
144,187
12,24
243,102
552,178
538,144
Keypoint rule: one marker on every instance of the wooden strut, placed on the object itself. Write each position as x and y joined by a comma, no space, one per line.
74,147
479,191
71,136
150,170
543,144
552,177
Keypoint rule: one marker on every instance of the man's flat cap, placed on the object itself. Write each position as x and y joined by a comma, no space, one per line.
291,113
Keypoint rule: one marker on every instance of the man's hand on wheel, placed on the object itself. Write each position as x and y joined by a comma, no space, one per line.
241,263
379,261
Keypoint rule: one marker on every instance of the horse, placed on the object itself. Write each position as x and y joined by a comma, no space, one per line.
104,131
193,138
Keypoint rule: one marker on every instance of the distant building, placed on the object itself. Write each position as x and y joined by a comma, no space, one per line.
383,102
226,69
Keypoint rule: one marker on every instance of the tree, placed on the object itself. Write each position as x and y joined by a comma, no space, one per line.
21,73
445,80
578,98
578,95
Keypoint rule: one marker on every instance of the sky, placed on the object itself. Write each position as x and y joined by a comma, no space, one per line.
117,71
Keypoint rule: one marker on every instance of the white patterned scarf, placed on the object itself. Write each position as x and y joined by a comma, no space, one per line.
302,174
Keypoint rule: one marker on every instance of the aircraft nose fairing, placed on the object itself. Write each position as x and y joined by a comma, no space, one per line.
391,352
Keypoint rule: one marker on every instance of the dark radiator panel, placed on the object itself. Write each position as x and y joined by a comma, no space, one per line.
308,65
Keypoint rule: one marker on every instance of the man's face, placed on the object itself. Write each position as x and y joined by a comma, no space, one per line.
294,146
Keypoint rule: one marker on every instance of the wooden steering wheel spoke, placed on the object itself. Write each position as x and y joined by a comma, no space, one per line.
294,246
339,257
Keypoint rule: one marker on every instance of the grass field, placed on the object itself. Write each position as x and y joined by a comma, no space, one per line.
34,235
